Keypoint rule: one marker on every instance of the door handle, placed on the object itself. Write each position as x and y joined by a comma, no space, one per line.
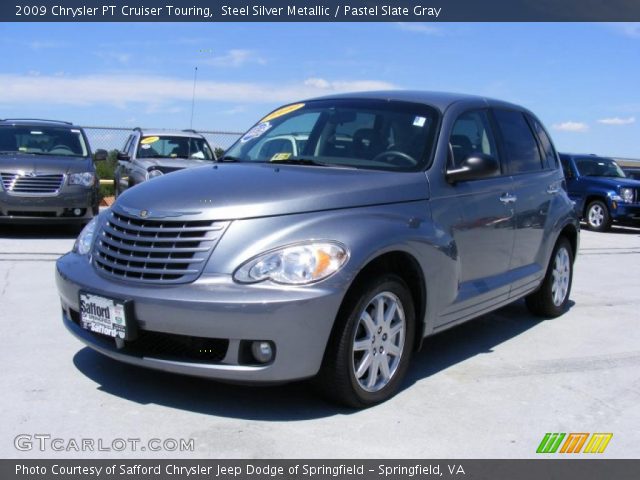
553,188
507,198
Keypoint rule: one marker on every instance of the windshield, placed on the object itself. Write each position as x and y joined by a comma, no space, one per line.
370,134
162,146
599,167
43,140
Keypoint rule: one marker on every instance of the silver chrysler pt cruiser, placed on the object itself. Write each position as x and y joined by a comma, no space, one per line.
328,242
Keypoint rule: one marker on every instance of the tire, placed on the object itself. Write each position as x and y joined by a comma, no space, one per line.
598,217
357,335
552,298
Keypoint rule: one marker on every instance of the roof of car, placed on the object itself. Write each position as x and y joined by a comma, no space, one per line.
169,133
440,100
36,122
584,155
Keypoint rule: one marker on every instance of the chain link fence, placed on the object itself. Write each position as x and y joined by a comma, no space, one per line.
113,138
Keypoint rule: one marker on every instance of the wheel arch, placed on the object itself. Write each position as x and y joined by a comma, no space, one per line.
570,232
591,197
407,267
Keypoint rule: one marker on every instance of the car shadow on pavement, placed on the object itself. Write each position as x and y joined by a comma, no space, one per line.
476,337
618,229
624,230
26,232
294,401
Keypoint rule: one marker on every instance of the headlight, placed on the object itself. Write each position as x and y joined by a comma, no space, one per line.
85,239
627,195
153,173
86,179
297,264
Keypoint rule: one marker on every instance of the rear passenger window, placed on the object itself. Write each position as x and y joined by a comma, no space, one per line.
522,148
471,134
547,146
566,167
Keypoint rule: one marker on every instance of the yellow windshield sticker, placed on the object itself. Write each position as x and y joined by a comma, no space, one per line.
283,111
280,156
148,140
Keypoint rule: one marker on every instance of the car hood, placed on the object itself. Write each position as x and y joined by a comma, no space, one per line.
242,190
44,164
173,163
613,182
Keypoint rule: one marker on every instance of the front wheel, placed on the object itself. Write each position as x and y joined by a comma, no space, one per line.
598,217
552,298
371,345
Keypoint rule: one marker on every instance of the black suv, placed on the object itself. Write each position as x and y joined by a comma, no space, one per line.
149,154
47,172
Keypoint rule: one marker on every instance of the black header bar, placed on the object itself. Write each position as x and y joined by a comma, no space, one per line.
319,11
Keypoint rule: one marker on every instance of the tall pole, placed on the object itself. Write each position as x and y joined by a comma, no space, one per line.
193,97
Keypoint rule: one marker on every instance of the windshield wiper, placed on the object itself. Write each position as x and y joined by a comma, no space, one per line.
14,152
302,161
229,158
311,163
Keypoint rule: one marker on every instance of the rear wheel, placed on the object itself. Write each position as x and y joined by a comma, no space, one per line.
598,217
370,348
552,298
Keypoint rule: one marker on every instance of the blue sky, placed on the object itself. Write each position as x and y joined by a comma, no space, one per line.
583,80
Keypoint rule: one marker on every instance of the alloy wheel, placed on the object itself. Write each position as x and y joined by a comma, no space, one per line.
378,341
561,276
596,216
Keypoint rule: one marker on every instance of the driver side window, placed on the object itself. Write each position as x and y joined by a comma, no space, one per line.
471,133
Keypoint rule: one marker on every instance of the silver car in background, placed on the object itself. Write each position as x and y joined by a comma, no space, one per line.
148,154
47,173
328,242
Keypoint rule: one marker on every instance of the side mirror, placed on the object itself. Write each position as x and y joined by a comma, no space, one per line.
100,155
475,166
123,156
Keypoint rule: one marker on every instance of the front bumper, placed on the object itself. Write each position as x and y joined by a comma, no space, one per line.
297,320
625,212
54,209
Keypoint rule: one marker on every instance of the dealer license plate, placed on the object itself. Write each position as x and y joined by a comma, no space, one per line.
105,316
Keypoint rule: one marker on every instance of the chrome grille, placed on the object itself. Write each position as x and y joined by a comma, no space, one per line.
32,183
158,251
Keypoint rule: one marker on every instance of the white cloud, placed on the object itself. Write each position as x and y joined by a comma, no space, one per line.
425,29
628,29
44,44
235,58
317,83
118,90
235,110
617,121
571,127
326,86
119,57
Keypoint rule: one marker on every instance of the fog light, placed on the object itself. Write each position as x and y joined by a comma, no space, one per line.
262,351
77,212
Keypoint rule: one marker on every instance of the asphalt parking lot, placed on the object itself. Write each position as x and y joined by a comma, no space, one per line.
488,389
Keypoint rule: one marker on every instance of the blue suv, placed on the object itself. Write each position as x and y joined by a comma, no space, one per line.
601,190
